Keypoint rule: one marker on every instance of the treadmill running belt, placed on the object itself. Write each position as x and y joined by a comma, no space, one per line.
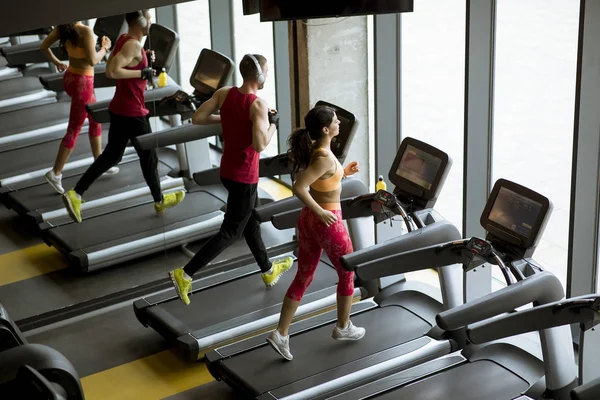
233,299
474,381
132,221
262,369
43,198
28,159
35,118
20,87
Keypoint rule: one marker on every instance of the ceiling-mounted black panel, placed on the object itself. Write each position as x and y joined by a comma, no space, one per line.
34,14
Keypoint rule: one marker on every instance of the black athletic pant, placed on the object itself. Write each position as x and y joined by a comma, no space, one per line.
238,221
121,130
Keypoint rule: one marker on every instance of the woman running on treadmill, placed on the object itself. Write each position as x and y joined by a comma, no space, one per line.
320,224
79,42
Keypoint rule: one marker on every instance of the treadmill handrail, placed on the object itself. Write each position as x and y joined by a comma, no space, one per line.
538,318
29,53
267,167
275,211
176,135
541,288
99,110
54,81
587,391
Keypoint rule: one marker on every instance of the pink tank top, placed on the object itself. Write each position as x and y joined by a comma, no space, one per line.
128,100
240,161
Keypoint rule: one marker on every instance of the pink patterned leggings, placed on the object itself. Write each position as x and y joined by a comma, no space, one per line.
81,90
313,237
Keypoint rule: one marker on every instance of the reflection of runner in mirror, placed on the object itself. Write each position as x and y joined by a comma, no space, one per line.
248,126
128,65
78,82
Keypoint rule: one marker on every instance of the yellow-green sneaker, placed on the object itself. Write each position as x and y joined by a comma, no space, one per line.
279,268
182,285
73,204
169,200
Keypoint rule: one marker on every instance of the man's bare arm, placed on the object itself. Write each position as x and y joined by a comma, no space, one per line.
205,114
262,130
115,67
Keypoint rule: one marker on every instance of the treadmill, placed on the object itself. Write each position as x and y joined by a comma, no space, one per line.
413,347
7,72
128,188
22,171
93,244
48,122
195,330
27,91
581,310
52,366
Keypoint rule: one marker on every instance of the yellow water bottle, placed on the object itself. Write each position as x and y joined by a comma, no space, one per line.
380,185
162,78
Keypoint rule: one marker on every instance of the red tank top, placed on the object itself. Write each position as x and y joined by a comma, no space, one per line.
128,100
240,161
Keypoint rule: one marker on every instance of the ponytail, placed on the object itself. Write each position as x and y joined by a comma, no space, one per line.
68,33
300,142
299,150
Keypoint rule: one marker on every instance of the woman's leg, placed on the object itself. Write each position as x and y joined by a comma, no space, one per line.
337,244
79,89
309,254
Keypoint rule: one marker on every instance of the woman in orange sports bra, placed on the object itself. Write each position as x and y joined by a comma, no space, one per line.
320,224
79,42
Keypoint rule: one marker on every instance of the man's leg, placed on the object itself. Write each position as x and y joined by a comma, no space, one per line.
270,272
112,155
240,203
149,165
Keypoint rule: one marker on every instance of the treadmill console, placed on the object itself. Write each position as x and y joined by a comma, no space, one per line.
164,42
111,27
479,247
385,198
340,145
515,215
419,171
212,71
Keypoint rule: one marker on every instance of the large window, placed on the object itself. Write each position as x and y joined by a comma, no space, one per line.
253,36
433,70
193,19
535,71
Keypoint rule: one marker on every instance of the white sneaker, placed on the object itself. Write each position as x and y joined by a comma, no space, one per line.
112,171
55,181
350,332
280,344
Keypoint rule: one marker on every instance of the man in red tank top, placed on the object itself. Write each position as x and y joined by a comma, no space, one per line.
248,127
128,65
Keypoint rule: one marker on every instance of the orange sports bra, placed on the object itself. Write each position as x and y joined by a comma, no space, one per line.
75,51
330,184
79,53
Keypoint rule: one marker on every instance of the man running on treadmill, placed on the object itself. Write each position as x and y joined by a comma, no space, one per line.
128,65
248,126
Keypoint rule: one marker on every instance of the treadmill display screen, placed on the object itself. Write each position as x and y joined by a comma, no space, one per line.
210,72
419,167
338,143
515,212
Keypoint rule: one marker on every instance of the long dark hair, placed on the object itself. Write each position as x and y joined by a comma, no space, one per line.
300,142
68,33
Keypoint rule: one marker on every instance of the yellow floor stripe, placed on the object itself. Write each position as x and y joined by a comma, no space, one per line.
155,377
29,262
